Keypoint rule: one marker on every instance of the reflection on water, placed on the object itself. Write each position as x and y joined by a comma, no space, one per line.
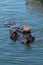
35,2
34,5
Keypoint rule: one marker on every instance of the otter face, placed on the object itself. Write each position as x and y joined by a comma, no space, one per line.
13,34
26,30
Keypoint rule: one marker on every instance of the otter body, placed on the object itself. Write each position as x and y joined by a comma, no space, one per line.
28,39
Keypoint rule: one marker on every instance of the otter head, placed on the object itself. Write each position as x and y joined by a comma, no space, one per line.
26,29
13,34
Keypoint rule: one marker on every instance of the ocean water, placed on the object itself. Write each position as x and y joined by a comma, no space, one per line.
15,53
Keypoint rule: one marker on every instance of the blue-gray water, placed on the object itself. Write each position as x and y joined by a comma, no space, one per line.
15,53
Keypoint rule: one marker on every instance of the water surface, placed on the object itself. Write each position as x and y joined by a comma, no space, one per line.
15,53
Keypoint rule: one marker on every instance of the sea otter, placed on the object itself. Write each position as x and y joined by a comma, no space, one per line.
13,34
25,31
